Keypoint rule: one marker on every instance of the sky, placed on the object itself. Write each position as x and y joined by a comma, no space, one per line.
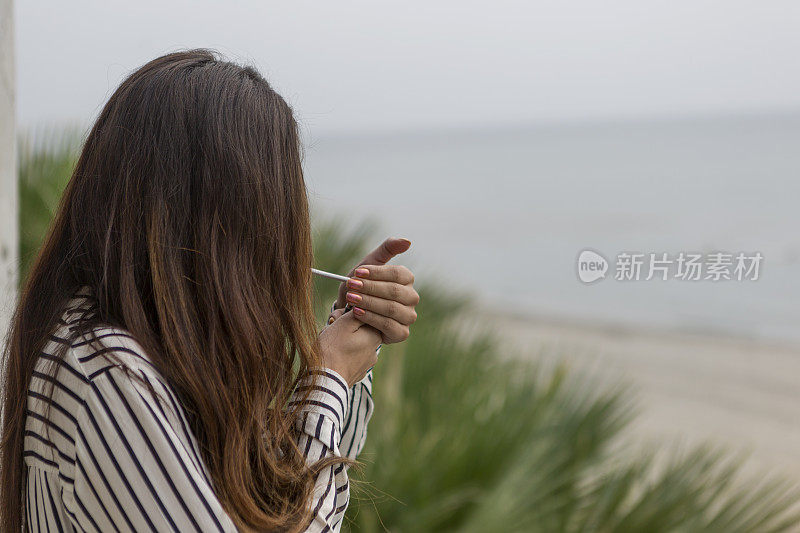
355,66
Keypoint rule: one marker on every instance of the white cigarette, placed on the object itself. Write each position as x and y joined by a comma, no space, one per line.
329,275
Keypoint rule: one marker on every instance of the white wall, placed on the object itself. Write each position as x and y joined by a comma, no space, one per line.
8,171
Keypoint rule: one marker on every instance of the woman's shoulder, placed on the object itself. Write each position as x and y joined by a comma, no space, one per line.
87,366
102,348
90,351
94,386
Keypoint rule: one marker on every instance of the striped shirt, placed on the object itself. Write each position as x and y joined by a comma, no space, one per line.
107,456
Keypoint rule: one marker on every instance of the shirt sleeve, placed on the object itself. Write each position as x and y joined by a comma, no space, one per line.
320,423
137,465
359,411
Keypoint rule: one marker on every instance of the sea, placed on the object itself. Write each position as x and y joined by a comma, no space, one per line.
504,213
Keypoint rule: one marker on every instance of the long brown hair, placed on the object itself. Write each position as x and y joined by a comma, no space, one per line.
187,217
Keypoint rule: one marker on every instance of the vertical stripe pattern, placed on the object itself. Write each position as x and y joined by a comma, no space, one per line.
102,454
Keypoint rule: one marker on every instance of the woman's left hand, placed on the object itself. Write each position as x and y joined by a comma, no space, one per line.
382,295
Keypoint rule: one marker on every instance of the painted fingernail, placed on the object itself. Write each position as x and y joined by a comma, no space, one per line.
358,311
354,283
353,297
362,272
330,320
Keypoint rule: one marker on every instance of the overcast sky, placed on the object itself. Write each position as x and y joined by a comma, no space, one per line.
401,65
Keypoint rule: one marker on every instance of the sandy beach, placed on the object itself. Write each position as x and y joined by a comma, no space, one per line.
694,388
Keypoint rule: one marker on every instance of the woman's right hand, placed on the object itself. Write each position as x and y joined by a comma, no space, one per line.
348,346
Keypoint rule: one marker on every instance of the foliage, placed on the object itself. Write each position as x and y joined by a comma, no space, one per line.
46,161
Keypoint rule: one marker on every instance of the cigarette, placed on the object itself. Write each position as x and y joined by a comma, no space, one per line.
329,275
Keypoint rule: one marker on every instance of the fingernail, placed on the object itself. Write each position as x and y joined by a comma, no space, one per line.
353,297
354,283
358,311
363,272
330,320
405,240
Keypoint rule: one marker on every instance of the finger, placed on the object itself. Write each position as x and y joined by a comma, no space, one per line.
394,273
403,294
334,315
404,314
391,330
387,249
348,322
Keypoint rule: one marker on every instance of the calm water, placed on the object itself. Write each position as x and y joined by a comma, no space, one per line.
505,213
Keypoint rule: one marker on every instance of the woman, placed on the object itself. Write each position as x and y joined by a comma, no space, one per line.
163,370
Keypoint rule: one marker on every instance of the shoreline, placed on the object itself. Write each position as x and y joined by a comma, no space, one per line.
737,392
700,333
